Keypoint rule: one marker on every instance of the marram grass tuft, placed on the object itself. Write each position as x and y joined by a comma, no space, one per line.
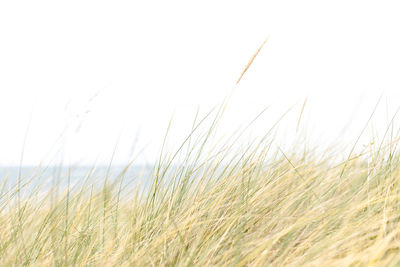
213,203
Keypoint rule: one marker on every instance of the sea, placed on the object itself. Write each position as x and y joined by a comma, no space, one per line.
33,179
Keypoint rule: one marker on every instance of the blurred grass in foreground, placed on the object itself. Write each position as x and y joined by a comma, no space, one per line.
213,202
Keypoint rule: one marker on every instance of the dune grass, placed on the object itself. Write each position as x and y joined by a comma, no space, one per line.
213,202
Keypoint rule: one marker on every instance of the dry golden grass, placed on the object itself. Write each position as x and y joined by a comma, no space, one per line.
221,205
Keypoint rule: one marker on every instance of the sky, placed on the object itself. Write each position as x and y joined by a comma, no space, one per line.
81,78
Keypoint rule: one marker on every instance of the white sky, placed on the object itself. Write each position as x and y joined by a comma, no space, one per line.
144,60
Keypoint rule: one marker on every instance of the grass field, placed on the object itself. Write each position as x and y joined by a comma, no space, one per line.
223,204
